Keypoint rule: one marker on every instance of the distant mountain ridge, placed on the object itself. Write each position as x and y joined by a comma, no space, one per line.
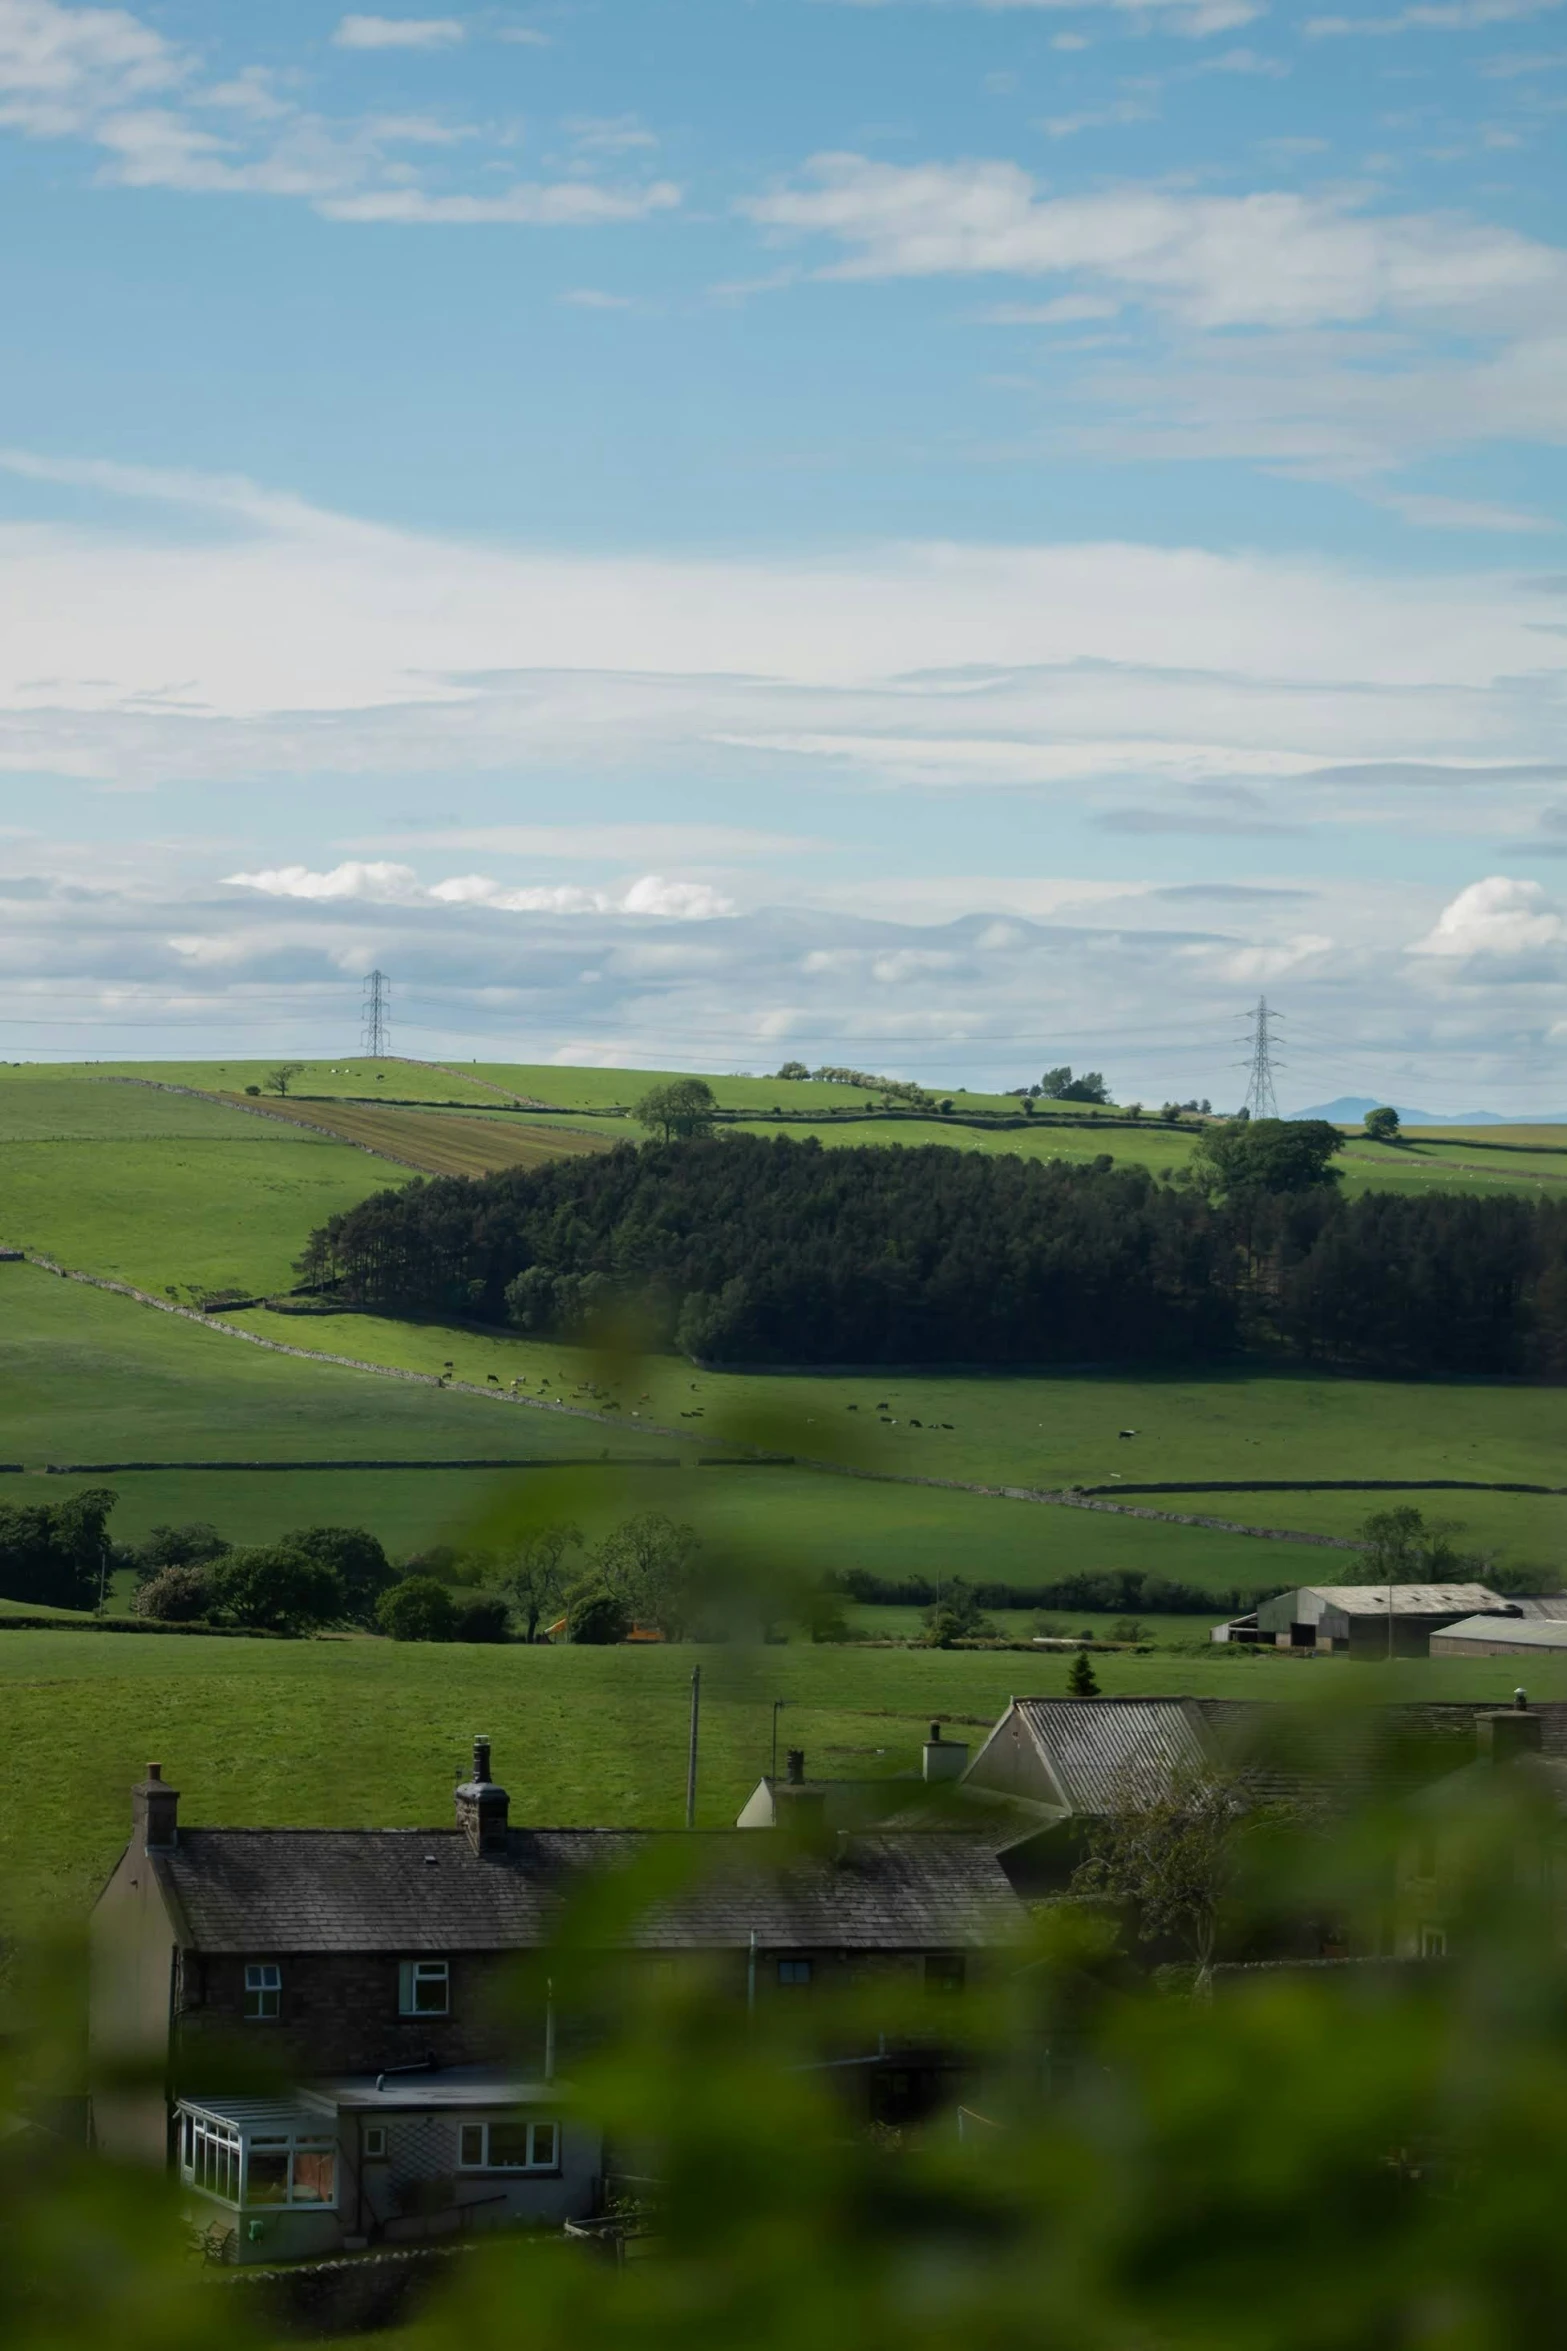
1349,1108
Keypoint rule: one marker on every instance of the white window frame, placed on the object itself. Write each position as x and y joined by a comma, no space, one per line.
414,1974
374,2143
471,2158
1433,1942
264,1985
222,2151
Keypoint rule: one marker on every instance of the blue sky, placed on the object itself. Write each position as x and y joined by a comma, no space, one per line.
938,535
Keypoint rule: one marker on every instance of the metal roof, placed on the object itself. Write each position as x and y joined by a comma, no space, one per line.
1408,1599
1517,1632
1095,1751
424,1890
1552,1605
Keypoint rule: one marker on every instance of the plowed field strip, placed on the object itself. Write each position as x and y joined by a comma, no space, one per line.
432,1141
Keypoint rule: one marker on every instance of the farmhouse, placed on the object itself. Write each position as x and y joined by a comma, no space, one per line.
774,1802
306,2021
1361,1620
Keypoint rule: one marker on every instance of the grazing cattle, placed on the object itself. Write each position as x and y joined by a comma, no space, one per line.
1126,1432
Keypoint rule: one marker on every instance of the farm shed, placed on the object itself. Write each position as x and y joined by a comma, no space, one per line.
1368,1620
1530,1628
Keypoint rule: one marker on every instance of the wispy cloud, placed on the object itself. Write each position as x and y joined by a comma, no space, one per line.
103,77
398,32
1269,259
1431,16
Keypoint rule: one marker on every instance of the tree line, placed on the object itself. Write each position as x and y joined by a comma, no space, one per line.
746,1250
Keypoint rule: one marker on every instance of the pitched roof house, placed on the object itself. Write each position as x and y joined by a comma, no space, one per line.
352,1966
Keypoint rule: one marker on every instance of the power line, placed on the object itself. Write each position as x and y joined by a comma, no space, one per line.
376,1033
1261,1100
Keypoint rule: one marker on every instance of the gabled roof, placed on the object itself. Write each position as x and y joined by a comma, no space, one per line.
1408,1599
1081,1754
425,1890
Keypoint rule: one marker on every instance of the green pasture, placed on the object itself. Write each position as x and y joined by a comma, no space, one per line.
356,1732
1056,1430
164,1191
86,1375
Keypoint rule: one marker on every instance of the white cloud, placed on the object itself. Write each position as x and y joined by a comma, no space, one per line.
1193,18
1497,917
1441,16
61,66
1123,112
609,134
381,884
102,76
566,203
1273,259
397,32
1065,310
1463,514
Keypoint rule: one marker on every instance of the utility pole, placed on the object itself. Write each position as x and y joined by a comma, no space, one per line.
696,1712
778,1705
376,1034
1261,1100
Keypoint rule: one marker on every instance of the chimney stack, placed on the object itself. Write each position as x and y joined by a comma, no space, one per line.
482,1807
155,1813
945,1759
794,1764
1506,1732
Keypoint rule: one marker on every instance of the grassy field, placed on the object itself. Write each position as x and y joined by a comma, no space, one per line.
338,1733
1064,1430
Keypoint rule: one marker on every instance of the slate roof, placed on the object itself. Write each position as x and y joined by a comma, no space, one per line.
413,1890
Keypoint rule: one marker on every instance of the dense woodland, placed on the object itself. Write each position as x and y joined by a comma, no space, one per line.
743,1250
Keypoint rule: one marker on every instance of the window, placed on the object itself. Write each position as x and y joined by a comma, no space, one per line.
944,1971
1433,1942
273,2167
794,1971
263,1990
509,2146
375,2142
210,2159
424,1987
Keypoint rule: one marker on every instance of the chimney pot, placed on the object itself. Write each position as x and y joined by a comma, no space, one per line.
935,1734
481,1759
155,1771
795,1766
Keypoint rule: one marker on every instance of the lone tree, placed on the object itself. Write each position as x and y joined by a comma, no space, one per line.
680,1111
1082,1681
1268,1155
649,1566
1382,1126
278,1589
280,1079
1403,1546
1168,1854
1059,1085
418,1609
535,1577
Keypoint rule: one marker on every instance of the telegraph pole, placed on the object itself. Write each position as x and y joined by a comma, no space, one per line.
1261,1100
376,1034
